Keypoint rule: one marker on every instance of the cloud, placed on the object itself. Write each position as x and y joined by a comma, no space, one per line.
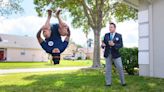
29,25
78,37
129,31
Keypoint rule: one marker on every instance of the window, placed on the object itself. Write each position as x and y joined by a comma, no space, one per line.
23,52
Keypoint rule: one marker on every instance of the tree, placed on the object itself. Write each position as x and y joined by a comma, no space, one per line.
90,14
10,7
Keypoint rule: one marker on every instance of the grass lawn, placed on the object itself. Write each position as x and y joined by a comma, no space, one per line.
63,63
87,80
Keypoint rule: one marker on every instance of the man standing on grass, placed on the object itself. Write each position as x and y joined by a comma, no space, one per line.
112,42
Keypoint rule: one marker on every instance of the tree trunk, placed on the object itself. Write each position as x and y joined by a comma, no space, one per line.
96,53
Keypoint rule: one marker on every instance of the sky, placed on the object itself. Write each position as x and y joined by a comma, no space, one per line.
29,23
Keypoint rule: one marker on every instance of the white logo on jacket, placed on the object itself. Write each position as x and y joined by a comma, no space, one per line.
50,43
117,38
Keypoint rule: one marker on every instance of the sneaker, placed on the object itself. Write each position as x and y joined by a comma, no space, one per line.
58,10
49,12
107,85
123,84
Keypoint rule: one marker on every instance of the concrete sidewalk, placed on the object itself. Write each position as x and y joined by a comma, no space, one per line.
8,71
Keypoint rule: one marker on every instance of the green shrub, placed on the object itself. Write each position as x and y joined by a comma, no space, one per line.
129,59
79,58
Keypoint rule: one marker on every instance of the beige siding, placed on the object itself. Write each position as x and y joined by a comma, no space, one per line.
144,38
158,33
14,54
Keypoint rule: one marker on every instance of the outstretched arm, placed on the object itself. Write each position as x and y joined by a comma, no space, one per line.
40,40
68,35
103,45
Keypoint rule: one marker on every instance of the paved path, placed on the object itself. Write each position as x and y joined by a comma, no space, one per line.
7,71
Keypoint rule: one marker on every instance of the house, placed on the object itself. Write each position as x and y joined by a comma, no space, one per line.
24,48
69,51
151,36
85,53
74,51
20,48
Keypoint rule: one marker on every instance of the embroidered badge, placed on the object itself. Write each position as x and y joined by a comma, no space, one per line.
50,43
117,39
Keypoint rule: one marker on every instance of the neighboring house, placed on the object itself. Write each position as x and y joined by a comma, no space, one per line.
71,49
87,51
20,48
151,36
73,52
23,48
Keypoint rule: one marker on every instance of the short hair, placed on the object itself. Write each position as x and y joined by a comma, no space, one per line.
113,24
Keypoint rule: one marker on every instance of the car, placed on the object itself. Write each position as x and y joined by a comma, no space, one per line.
70,58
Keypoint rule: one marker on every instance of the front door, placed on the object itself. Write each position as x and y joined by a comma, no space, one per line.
1,55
